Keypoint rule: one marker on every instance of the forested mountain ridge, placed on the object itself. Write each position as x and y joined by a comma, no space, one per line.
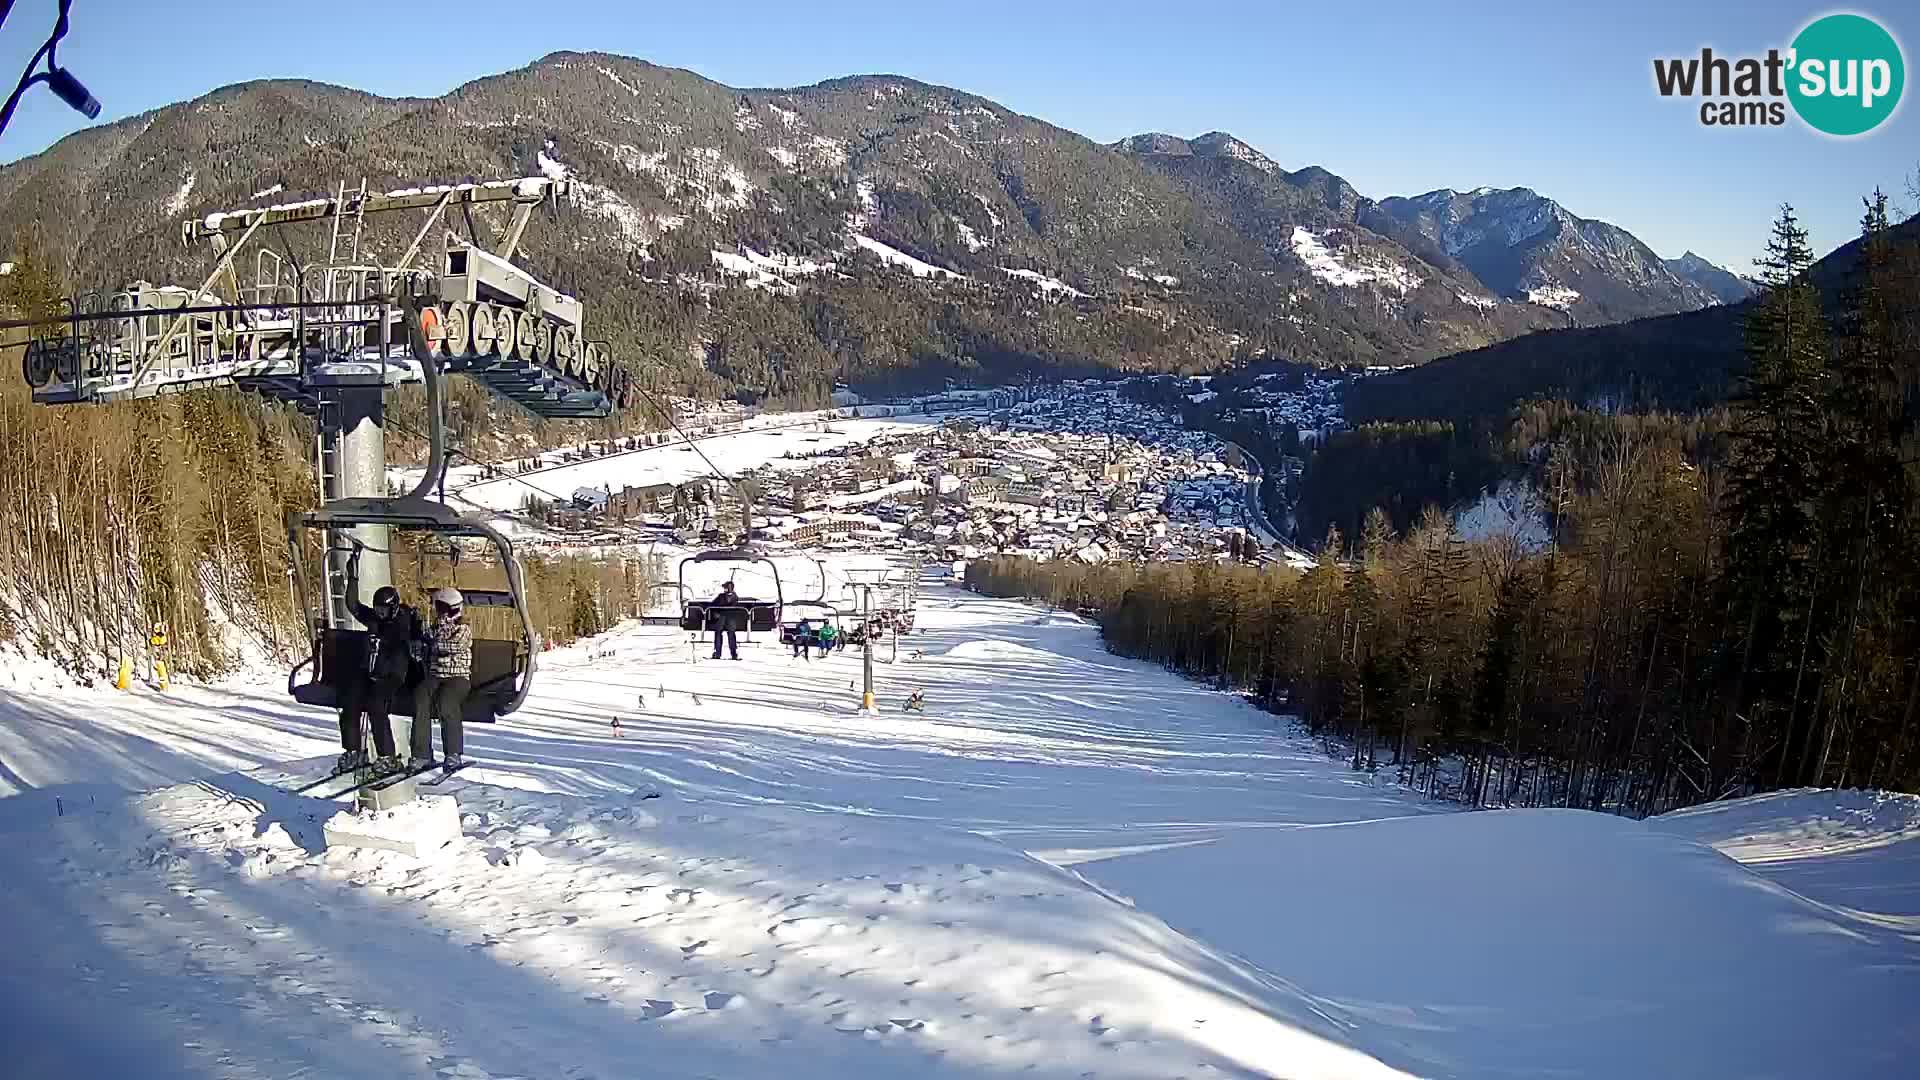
1685,361
713,229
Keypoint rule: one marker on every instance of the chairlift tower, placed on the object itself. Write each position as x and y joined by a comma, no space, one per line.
331,338
866,579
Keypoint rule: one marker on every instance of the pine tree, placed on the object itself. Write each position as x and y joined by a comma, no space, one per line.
1498,683
1867,514
1779,445
583,617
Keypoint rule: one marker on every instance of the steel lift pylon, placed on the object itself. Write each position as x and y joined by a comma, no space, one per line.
331,338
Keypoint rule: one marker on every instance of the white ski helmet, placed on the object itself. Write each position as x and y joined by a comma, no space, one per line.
449,598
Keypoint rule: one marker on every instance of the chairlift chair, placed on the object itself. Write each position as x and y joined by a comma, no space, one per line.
502,667
748,615
885,615
791,631
679,592
886,620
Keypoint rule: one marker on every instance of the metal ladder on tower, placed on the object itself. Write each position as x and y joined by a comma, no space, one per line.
343,250
326,445
342,286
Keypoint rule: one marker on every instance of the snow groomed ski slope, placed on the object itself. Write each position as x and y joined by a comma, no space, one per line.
1070,865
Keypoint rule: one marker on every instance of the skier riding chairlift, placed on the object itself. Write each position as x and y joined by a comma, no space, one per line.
724,606
393,634
803,636
736,613
447,653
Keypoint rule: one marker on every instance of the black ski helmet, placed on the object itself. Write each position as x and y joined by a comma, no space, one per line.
386,596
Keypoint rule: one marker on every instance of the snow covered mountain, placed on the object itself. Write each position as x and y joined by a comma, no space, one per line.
1525,246
1311,222
1071,864
823,197
1726,286
1512,245
1217,156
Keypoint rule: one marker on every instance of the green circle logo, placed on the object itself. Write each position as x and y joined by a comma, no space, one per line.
1847,74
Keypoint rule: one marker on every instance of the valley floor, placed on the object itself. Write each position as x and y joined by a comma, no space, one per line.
1069,865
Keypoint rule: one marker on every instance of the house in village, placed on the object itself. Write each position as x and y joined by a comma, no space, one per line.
633,502
984,489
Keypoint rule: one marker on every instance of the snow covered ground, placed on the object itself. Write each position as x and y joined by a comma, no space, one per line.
1044,283
1330,267
672,463
1553,296
1069,865
1514,509
900,258
1529,943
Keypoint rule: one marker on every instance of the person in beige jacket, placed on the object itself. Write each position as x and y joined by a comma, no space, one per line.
443,689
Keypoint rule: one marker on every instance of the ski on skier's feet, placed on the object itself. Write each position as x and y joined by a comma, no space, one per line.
446,773
407,772
384,780
336,774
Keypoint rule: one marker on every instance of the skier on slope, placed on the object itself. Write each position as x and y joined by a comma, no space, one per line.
448,650
392,629
725,605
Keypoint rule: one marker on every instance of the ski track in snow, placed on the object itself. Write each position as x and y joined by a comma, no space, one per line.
823,893
573,937
805,900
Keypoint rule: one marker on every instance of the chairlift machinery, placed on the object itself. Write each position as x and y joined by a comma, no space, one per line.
294,332
331,338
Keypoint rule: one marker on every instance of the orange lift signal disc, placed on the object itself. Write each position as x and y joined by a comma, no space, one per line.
430,327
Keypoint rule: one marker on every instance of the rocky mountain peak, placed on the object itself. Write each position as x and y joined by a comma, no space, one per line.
1221,144
1154,142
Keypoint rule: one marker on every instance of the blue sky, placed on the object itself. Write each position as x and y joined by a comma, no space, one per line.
1399,98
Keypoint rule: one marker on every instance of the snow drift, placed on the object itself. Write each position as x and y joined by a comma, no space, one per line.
1858,852
615,937
1531,943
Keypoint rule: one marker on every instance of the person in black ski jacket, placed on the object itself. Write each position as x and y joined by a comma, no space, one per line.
725,605
392,629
